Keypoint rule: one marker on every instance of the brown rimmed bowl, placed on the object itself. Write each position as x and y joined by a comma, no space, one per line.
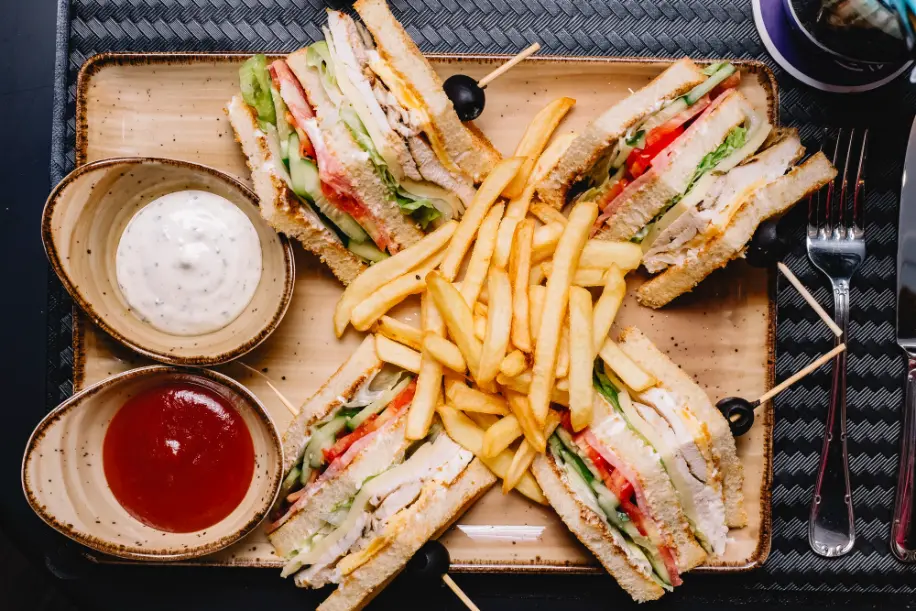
64,479
82,224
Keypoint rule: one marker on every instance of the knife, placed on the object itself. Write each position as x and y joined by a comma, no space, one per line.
903,528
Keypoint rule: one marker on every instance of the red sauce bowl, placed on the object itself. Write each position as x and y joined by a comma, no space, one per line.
88,484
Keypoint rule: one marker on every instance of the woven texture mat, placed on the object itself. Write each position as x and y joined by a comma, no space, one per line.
669,28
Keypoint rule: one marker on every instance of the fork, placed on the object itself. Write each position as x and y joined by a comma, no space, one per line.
836,246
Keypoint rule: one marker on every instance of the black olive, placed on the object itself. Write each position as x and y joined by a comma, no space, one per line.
739,413
431,562
466,95
767,247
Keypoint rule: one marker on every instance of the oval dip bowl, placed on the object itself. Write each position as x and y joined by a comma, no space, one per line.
81,227
64,479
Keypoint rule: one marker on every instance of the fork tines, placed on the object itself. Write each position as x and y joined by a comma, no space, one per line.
839,212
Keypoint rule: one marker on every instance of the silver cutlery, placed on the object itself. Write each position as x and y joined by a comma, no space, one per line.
836,246
903,528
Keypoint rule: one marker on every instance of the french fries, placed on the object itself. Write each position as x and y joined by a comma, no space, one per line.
582,277
472,400
545,241
535,139
628,371
601,254
607,306
535,277
429,379
458,318
401,332
547,214
445,352
481,255
565,263
467,228
551,157
536,294
484,421
514,363
563,352
480,327
533,431
470,436
581,358
515,214
385,271
496,340
522,384
500,436
521,461
481,309
390,351
519,270
366,313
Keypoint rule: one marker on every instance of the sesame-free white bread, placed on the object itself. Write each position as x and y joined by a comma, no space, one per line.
645,354
280,207
673,168
362,365
360,172
438,506
661,499
466,146
592,531
604,131
771,200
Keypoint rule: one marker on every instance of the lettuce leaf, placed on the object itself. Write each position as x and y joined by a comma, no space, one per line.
255,83
423,210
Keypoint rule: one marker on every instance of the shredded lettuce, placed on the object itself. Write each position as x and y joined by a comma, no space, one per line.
254,81
319,56
733,141
423,210
604,385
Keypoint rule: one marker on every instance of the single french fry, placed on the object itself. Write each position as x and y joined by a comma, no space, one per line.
472,400
547,214
607,306
390,351
453,383
445,352
387,270
480,328
563,351
514,363
628,371
366,313
601,254
551,157
582,277
545,241
401,332
458,318
522,384
500,436
484,421
499,322
581,358
534,140
535,277
481,309
519,271
470,436
565,263
521,409
524,456
536,294
428,393
508,227
481,254
486,195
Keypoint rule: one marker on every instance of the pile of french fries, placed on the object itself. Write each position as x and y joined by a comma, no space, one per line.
519,332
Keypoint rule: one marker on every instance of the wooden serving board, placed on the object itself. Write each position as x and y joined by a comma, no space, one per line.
171,105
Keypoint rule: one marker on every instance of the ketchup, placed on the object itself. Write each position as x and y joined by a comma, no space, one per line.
178,457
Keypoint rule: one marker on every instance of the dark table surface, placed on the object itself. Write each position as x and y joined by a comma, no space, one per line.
42,572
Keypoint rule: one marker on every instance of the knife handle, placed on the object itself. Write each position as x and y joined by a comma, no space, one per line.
903,529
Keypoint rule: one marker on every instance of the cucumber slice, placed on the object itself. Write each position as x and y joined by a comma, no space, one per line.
378,405
303,172
322,439
283,127
709,84
291,478
346,223
367,250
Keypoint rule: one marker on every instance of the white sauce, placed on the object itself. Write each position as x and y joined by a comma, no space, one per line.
189,262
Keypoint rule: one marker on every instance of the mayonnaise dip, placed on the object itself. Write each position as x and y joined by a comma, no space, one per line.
189,262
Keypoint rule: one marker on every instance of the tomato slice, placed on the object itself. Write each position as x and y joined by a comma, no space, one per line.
372,424
294,97
611,194
657,140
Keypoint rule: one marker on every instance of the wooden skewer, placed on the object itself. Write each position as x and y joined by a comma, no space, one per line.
292,408
800,374
459,592
508,65
810,299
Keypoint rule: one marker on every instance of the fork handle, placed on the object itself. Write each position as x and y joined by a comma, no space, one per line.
903,530
831,528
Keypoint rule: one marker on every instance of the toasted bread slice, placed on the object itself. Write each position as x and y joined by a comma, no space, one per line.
673,168
607,545
280,207
722,444
466,146
771,200
603,132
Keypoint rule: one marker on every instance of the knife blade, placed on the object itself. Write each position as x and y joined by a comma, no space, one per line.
903,527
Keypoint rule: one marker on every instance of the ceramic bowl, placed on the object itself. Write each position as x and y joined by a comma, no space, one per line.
82,224
64,479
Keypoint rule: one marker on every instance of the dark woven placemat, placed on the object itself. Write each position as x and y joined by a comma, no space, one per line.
699,28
